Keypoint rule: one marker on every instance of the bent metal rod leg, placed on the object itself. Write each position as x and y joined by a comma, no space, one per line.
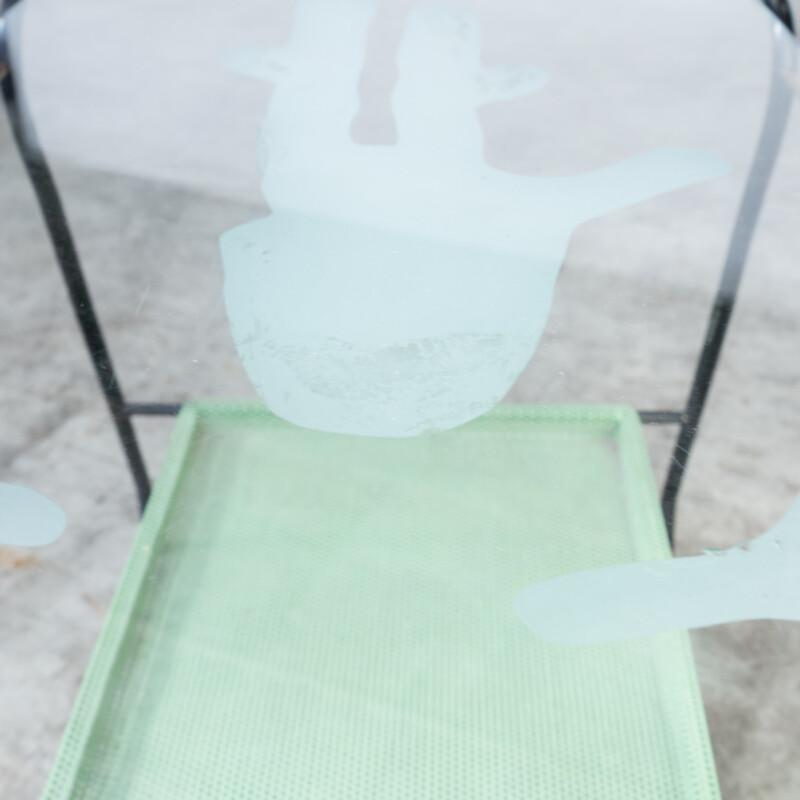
64,246
776,118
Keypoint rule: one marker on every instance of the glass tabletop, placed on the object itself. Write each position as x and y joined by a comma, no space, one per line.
382,220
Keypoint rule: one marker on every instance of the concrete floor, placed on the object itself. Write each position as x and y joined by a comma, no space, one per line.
619,332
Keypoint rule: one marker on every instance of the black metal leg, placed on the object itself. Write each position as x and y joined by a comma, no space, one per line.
66,255
776,118
782,10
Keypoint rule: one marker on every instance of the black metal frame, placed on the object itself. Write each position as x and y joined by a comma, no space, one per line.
122,412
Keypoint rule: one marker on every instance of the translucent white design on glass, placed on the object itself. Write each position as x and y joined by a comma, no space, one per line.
399,290
27,518
757,579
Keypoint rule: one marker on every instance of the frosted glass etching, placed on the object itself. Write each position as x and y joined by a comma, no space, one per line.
27,518
399,290
757,579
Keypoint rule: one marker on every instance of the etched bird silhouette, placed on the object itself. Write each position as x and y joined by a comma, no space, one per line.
400,289
756,579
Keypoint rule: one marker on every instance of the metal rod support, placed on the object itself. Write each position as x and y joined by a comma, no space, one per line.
662,417
153,409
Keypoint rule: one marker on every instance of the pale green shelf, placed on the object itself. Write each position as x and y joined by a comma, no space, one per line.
307,615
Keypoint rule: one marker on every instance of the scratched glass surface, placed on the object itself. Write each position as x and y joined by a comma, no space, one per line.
382,220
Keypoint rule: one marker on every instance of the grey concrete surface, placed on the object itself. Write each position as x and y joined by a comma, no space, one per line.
56,437
627,320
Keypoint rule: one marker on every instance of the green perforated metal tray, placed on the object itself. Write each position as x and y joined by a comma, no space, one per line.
307,615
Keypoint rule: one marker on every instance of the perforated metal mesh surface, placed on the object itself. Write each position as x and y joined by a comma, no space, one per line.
307,615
